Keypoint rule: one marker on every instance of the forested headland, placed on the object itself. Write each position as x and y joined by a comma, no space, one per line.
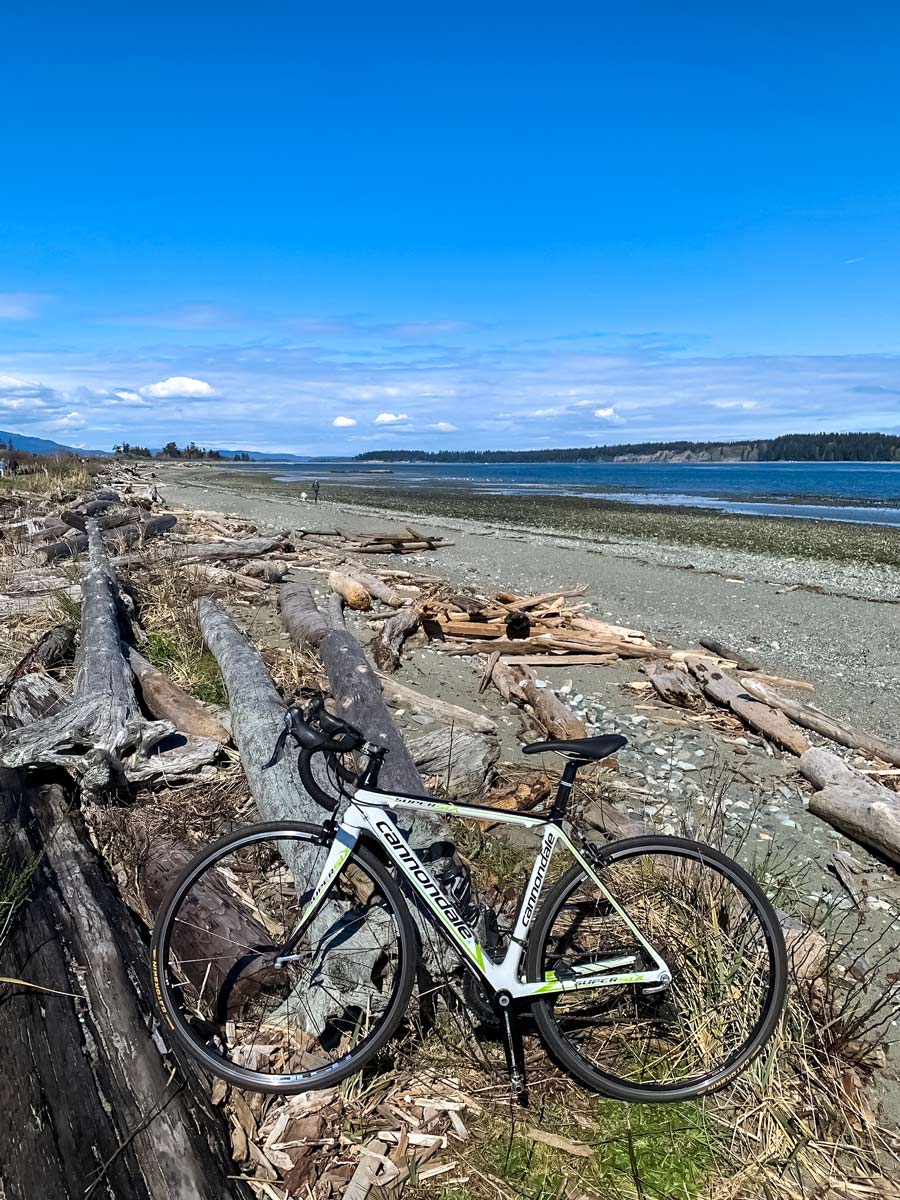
792,447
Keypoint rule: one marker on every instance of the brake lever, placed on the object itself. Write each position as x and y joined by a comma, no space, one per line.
288,732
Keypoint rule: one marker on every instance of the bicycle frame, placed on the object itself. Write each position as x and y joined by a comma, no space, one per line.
368,813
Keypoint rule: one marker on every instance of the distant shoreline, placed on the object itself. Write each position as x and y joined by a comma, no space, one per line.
594,520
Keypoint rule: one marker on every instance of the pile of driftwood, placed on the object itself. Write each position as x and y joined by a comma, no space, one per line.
406,541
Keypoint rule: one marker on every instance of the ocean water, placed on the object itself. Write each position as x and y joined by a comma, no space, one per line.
847,491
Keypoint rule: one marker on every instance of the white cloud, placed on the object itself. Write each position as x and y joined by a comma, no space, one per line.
744,404
178,387
608,414
443,427
343,422
389,418
72,420
20,306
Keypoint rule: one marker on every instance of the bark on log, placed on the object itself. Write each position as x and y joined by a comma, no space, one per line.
351,590
813,718
518,686
386,648
398,695
675,687
462,761
85,1098
725,690
167,701
848,800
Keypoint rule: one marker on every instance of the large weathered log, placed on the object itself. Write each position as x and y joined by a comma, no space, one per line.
813,718
167,701
359,700
726,690
463,761
398,695
87,1105
853,803
518,686
257,718
387,646
102,732
224,551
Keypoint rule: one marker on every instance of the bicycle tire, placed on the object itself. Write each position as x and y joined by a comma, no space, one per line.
178,1028
562,1049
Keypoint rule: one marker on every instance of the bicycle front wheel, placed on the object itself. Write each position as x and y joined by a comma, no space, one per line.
721,940
254,1015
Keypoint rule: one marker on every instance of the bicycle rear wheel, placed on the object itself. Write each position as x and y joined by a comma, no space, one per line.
721,940
307,1022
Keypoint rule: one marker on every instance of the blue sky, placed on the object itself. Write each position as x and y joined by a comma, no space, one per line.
333,228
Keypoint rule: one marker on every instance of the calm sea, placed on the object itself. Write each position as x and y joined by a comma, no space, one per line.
867,492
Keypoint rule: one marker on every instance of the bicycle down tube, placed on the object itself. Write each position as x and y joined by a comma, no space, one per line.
368,811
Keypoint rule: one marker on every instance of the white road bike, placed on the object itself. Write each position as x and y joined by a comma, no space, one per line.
285,955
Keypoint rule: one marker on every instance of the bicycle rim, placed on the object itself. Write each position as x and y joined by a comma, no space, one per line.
721,940
282,1026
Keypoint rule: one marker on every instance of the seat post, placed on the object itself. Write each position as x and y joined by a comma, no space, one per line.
564,791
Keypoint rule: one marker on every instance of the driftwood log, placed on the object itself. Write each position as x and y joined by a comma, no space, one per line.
378,588
119,539
87,1105
720,650
387,646
724,689
359,700
49,650
257,717
354,594
850,801
675,687
168,702
518,686
813,718
399,695
102,733
461,760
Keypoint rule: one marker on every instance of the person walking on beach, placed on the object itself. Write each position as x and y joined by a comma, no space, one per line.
315,491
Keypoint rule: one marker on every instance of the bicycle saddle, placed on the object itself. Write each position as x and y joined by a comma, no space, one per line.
582,749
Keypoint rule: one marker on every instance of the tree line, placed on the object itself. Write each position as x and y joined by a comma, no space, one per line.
191,452
796,447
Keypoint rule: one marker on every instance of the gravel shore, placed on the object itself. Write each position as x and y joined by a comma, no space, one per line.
843,636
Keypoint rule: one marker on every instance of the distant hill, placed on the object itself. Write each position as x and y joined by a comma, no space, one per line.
36,445
264,456
792,447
